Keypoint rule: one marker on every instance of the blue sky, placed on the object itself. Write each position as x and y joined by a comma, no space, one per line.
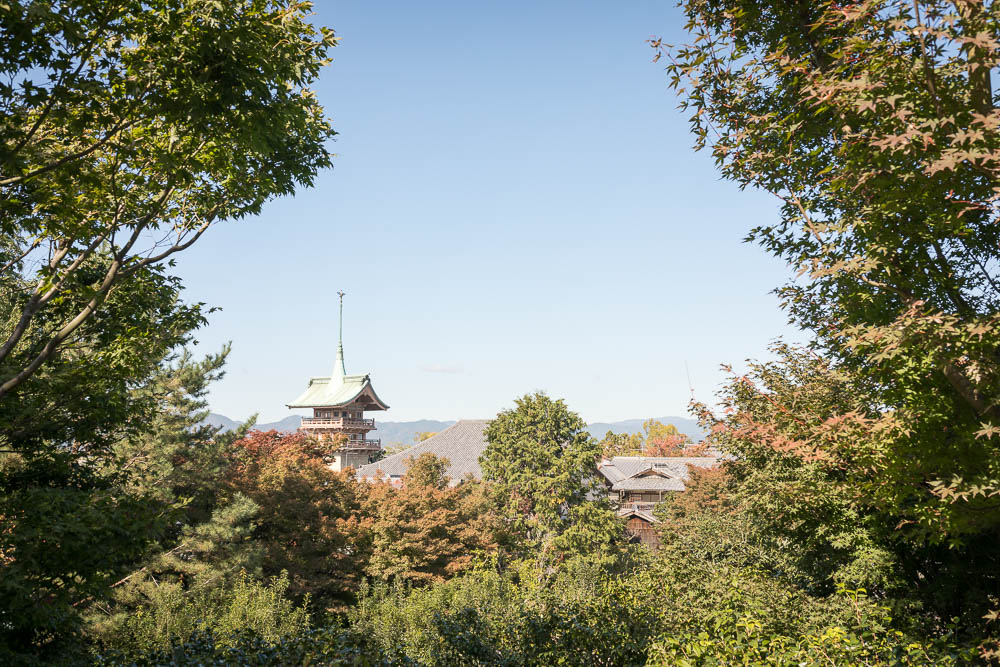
515,205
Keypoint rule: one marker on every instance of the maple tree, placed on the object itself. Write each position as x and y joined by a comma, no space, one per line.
426,530
874,125
810,494
128,129
308,523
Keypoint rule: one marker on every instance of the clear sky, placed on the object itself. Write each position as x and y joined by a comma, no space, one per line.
515,205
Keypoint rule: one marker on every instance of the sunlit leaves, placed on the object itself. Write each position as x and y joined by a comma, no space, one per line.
129,128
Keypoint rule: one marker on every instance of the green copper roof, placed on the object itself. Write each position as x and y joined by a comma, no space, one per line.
339,389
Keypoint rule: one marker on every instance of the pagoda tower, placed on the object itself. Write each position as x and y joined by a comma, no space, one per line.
339,403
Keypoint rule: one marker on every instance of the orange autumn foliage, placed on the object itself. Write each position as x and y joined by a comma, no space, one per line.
706,491
308,522
426,531
675,445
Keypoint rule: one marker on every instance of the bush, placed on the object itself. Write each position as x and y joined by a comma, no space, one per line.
733,636
250,606
329,646
666,613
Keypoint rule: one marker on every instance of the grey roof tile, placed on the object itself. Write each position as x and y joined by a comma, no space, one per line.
461,443
621,471
649,484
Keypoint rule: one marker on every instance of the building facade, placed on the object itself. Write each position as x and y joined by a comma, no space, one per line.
339,403
636,484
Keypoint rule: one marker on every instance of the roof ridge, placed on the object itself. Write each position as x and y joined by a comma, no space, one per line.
660,458
346,377
461,443
410,449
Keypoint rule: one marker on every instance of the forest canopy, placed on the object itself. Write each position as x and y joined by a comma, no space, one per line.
854,514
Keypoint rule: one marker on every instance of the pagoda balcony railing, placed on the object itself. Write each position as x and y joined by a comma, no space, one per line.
337,422
360,445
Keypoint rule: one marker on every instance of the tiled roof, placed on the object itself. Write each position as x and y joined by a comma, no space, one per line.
648,484
625,473
322,393
461,443
646,516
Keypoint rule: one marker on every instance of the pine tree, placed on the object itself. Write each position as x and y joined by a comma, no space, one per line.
179,463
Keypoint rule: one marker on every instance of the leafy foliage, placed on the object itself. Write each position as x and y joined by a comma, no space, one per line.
324,646
128,129
621,444
308,523
426,530
56,496
668,612
807,489
657,439
178,466
854,520
540,461
247,606
875,125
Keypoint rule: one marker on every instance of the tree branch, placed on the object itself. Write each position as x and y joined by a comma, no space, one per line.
925,61
13,180
968,392
83,55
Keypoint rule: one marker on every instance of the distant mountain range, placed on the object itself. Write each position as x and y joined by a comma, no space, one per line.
398,433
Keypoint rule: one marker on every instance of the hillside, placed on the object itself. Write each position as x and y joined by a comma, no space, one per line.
396,433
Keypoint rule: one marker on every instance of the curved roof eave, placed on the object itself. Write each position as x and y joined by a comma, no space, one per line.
382,404
319,393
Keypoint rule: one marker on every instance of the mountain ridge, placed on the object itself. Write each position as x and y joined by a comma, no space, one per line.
399,433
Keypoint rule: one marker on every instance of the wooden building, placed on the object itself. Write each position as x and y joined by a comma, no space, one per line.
636,484
339,403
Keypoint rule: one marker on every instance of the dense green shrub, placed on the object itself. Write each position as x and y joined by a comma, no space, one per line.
330,646
249,606
664,613
732,636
